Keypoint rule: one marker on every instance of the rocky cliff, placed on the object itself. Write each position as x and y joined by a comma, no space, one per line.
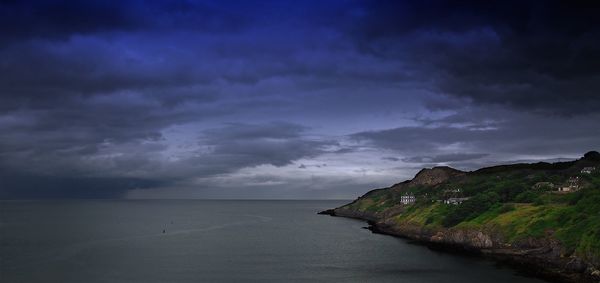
541,257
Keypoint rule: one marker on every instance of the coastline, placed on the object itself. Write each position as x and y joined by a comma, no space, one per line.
540,262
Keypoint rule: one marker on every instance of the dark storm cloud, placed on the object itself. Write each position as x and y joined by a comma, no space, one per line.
44,74
452,157
407,139
276,144
539,56
16,185
240,131
134,166
524,134
88,88
60,19
229,148
85,125
21,19
523,54
56,50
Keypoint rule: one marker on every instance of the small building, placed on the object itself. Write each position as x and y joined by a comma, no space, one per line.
455,201
588,170
566,189
573,184
407,199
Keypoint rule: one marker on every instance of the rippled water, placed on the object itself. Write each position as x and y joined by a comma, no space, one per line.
214,241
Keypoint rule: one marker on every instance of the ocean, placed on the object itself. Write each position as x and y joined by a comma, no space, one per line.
215,241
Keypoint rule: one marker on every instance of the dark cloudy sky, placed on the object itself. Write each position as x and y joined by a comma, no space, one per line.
286,99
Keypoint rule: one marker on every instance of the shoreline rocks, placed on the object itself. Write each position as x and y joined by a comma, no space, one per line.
538,257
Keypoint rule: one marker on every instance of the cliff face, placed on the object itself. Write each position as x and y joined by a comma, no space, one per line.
544,255
541,256
554,237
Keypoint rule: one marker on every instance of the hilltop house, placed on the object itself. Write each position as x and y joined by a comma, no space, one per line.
588,170
407,199
572,184
455,201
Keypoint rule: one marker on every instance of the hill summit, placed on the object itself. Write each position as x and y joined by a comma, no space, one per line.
592,156
435,175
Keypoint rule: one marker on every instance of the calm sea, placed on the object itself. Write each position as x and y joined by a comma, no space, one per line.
214,241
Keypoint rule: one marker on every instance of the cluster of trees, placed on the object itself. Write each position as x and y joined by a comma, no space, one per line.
471,208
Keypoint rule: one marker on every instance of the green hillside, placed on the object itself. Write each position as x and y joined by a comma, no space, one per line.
518,202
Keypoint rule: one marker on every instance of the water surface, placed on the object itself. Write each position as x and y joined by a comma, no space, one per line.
214,241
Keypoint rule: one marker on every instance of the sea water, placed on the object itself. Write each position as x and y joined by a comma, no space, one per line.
214,241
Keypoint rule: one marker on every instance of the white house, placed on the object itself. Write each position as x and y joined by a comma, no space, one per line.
588,170
407,199
566,189
455,201
573,184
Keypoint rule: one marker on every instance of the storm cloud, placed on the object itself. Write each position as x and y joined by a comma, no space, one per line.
451,157
242,99
527,55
